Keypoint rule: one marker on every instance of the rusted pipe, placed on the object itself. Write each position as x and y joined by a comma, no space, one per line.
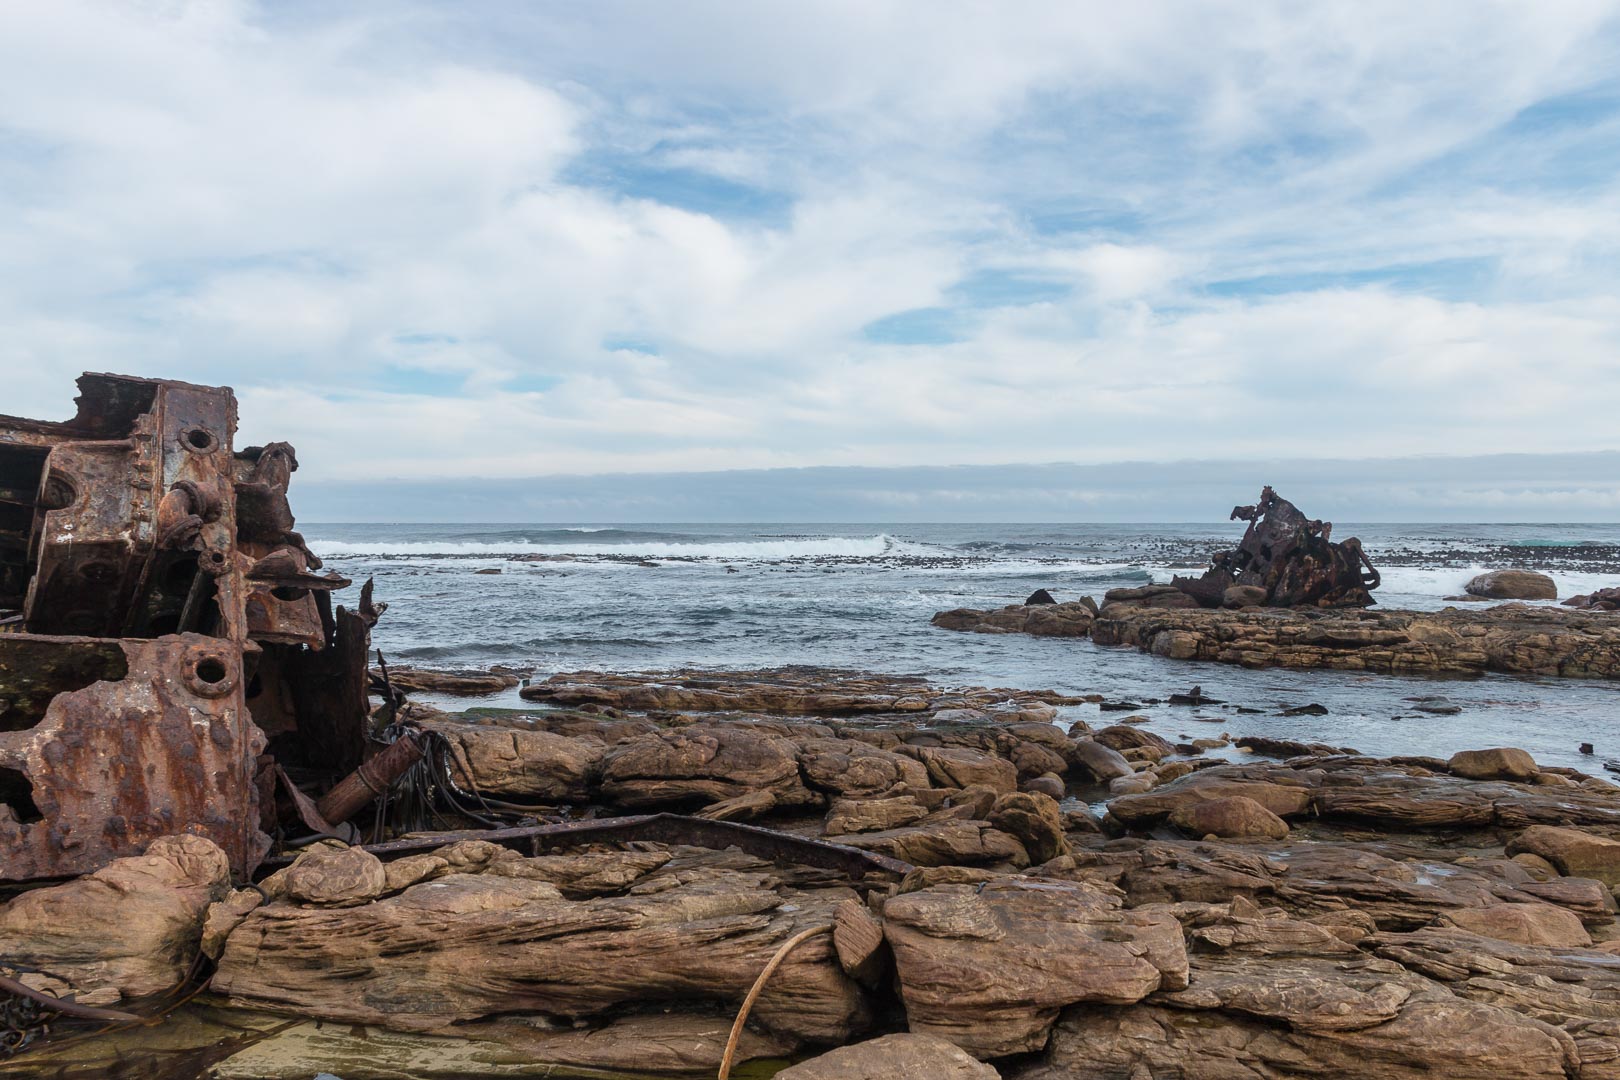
66,1008
355,791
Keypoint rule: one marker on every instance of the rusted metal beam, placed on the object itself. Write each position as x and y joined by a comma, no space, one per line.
656,828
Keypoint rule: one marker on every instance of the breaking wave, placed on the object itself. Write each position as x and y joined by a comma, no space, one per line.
669,548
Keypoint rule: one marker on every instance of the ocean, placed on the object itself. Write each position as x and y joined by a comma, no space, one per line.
654,597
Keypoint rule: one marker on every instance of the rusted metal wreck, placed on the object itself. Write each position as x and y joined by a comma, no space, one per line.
167,648
1285,560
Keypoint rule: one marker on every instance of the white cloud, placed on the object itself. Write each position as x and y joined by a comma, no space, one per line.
333,210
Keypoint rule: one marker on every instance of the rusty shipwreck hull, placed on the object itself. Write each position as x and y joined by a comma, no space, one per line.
161,627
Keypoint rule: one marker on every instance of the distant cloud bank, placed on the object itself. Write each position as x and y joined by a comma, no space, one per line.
1497,488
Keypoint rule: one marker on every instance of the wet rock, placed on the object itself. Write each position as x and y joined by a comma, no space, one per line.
1039,596
1574,852
1436,706
1313,709
1103,762
1513,585
335,876
1125,739
1601,600
891,1057
1233,816
989,966
1524,924
133,927
1500,763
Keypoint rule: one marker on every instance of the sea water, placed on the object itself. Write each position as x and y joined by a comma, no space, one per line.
656,597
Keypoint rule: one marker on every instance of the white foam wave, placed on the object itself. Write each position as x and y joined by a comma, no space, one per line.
768,550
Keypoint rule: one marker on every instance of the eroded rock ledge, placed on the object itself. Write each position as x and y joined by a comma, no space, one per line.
1514,639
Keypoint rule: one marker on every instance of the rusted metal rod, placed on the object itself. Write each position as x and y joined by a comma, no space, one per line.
63,1006
349,795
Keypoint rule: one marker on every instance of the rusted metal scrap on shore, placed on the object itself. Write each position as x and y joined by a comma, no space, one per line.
171,660
167,647
1285,560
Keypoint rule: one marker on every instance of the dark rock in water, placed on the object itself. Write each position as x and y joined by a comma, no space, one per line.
1513,585
1313,709
1288,748
1586,748
1438,706
1039,596
1195,696
488,570
1118,706
1601,600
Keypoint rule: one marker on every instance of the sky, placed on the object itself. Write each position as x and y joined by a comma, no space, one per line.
474,243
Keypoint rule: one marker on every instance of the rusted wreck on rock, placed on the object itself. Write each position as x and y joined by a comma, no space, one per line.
1285,560
167,647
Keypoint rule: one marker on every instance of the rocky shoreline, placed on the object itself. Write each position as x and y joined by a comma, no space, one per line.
1515,639
1063,902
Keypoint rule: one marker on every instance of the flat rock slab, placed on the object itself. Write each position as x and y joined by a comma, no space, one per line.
1512,638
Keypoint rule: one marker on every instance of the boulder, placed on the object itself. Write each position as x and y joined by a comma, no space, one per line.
1049,784
872,815
1231,817
1035,820
1513,585
1523,924
134,926
1500,763
960,767
857,769
514,763
989,966
1039,596
1149,596
892,1057
335,875
1103,762
1574,852
1242,596
700,765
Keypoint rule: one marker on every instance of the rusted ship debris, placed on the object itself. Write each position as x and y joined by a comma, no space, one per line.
1285,560
167,647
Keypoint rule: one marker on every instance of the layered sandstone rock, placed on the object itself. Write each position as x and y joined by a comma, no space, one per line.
1511,638
1071,619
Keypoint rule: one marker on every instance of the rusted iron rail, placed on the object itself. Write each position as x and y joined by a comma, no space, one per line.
656,828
